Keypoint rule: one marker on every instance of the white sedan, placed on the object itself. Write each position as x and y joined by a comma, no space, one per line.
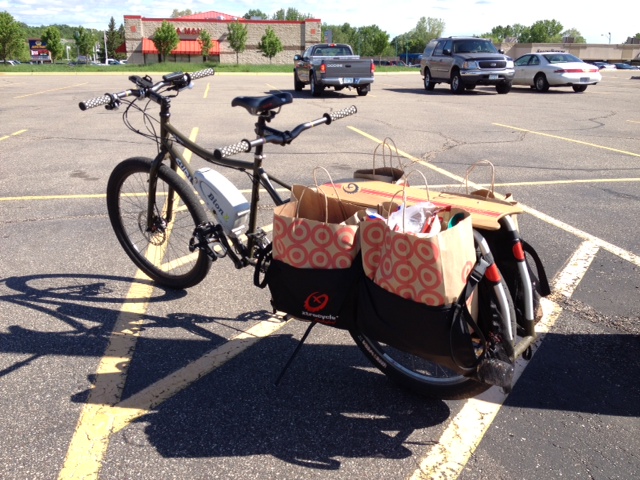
555,69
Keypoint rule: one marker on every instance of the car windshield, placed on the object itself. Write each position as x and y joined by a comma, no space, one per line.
474,46
561,58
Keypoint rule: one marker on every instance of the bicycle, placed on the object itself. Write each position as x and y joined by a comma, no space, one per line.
159,220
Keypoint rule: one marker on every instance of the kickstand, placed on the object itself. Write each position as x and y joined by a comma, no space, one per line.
295,352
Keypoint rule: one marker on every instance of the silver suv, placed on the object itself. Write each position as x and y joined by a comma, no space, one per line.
464,62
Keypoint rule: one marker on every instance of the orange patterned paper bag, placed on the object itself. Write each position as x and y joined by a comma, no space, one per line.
308,233
431,270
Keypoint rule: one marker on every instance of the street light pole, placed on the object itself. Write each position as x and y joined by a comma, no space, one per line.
609,35
106,54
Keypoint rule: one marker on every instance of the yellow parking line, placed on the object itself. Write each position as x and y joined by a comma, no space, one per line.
595,145
91,437
14,134
52,90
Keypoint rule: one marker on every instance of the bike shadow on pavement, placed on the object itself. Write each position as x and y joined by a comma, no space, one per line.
73,315
330,403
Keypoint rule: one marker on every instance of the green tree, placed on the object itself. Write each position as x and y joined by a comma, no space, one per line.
378,40
575,34
426,30
344,33
290,14
12,36
181,13
113,39
270,45
545,31
371,41
415,40
85,41
51,37
255,14
121,41
165,39
205,43
237,37
500,34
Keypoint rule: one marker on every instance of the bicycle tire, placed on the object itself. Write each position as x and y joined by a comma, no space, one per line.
419,375
163,254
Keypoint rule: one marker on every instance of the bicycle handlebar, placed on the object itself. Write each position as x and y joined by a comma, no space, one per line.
281,138
174,81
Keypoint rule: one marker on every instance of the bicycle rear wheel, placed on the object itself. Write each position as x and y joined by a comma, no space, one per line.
161,252
419,375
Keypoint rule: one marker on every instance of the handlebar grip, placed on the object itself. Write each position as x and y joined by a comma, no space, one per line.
95,102
337,115
202,73
224,152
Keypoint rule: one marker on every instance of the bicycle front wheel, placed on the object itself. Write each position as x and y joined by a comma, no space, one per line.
162,250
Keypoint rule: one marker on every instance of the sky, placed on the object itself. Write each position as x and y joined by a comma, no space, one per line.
615,22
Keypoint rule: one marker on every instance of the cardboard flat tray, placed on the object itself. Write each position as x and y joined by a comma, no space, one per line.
485,212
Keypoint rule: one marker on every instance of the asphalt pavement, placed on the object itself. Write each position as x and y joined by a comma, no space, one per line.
104,375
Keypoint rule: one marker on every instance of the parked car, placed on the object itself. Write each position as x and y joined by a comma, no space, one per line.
625,66
8,62
604,65
555,69
464,62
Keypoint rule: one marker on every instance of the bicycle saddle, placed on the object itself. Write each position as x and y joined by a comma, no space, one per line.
257,105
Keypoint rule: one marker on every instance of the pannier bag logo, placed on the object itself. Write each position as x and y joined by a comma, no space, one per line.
316,302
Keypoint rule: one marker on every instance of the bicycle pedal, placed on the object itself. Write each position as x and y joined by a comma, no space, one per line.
218,249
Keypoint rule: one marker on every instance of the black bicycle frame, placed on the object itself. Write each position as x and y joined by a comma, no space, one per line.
167,148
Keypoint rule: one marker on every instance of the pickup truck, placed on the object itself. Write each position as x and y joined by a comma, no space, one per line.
332,65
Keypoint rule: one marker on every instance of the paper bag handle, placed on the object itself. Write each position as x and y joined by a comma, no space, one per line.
487,163
335,190
326,204
404,195
385,145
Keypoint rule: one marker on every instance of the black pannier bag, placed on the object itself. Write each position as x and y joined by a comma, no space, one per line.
447,335
322,296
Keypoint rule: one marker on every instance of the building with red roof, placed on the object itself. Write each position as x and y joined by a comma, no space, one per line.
295,36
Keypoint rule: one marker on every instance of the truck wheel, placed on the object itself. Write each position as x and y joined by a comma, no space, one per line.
456,83
503,87
428,84
297,84
362,91
316,90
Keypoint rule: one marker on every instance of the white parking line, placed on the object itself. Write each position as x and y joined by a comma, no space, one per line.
448,457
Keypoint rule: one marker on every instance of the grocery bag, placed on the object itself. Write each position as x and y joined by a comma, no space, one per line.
315,266
311,232
385,173
428,268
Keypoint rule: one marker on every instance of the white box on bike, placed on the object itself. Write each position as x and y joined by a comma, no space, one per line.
228,204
